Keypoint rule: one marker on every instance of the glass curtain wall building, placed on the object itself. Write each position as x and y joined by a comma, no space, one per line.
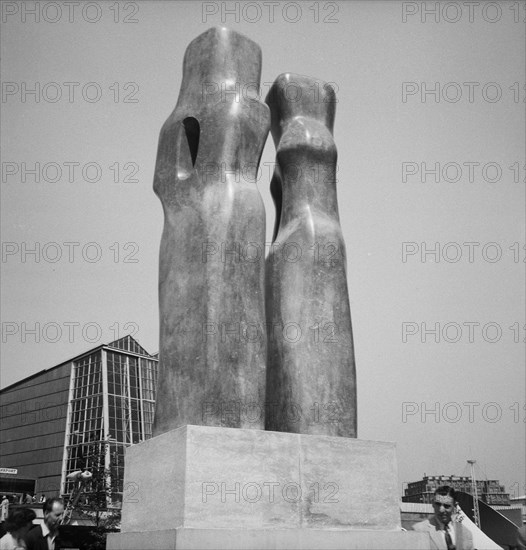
77,415
111,406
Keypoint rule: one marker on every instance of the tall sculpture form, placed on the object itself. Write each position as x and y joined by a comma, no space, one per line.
211,273
311,380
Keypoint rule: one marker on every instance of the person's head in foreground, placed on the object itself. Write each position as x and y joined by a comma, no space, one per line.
19,522
53,510
444,503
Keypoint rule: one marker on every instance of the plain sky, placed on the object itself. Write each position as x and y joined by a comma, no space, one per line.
420,88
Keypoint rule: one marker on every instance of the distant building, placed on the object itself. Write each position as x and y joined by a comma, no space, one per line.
489,491
56,421
520,501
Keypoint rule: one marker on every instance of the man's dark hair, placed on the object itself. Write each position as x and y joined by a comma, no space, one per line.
19,518
48,504
446,491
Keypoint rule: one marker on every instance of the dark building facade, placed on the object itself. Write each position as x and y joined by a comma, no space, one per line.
489,491
75,416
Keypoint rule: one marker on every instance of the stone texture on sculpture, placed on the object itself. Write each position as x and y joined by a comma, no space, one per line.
210,294
311,379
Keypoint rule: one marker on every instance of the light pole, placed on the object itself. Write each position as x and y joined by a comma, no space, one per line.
474,492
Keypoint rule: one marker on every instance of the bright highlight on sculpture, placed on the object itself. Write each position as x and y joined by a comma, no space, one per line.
219,311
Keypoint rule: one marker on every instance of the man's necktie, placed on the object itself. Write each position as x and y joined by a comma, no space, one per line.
449,542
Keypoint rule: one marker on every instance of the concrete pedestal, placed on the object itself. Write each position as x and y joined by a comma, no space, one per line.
258,539
211,487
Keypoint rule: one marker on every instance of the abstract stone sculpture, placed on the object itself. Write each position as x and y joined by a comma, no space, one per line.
250,488
211,273
311,380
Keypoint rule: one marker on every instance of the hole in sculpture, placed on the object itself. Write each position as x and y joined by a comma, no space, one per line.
191,126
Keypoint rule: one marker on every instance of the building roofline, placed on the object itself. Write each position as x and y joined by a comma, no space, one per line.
75,358
119,350
444,477
40,372
504,507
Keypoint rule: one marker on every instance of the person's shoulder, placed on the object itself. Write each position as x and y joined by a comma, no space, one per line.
6,541
424,525
34,534
34,538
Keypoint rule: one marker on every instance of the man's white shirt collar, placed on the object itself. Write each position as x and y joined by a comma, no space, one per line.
49,539
46,531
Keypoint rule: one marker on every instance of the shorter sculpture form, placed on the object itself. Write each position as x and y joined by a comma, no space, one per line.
311,380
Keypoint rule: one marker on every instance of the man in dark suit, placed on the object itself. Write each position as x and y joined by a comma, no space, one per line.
45,537
445,534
